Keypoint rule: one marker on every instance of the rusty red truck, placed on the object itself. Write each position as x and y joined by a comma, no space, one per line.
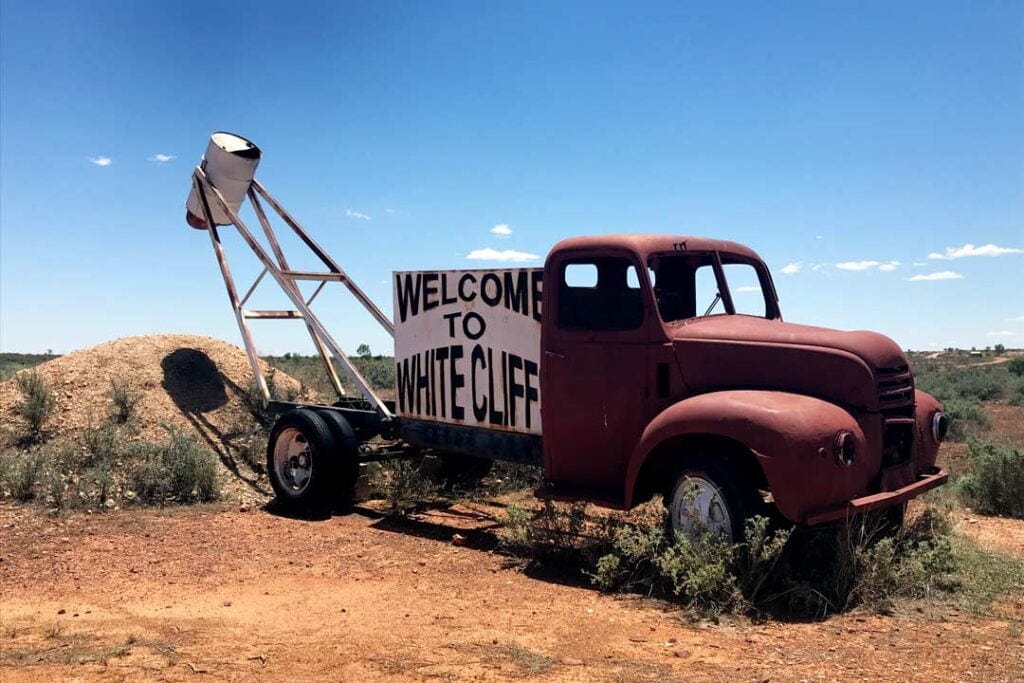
628,367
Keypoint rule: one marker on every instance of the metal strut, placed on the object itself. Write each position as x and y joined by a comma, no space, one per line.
287,279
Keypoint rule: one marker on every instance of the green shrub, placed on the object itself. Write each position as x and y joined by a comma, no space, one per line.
402,485
125,396
509,476
807,572
985,383
911,564
1016,366
102,445
179,470
967,417
995,484
55,486
21,474
38,402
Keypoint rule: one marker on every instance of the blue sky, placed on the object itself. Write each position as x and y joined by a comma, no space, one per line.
844,142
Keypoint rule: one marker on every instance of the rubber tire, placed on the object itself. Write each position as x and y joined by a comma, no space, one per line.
346,449
316,496
741,498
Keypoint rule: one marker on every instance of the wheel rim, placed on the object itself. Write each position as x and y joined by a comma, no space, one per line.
293,460
699,506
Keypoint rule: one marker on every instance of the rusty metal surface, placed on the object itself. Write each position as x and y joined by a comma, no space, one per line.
287,285
784,391
875,501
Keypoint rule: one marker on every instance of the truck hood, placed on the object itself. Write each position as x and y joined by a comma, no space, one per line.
740,351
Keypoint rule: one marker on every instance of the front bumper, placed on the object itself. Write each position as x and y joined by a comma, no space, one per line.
857,506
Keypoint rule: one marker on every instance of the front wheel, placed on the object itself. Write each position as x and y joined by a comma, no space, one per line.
708,498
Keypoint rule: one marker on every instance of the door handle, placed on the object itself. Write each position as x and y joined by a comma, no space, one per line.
553,354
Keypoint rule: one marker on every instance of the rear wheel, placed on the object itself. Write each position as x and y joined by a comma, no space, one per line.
301,459
346,451
709,498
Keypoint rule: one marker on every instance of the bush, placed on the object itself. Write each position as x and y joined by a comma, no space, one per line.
911,564
180,470
402,485
38,402
984,383
125,396
505,477
1016,366
103,445
966,418
804,572
995,484
21,472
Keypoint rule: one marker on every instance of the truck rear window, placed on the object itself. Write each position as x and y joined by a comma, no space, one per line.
599,294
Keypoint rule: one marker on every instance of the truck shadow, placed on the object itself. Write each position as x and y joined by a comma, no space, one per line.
475,529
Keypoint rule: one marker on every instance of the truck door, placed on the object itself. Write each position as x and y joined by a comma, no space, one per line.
594,368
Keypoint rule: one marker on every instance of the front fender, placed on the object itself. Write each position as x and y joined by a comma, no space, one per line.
791,436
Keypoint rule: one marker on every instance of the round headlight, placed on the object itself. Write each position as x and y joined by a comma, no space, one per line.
845,448
940,426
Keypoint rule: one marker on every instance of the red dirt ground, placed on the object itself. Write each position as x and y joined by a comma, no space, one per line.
212,593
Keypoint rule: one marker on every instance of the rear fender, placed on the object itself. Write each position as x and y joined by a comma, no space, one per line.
790,435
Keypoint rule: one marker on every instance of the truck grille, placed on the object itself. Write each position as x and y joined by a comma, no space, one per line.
896,391
897,443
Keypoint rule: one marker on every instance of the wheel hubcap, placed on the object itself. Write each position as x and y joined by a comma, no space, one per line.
293,461
699,507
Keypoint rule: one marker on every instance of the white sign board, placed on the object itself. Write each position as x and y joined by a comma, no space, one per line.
467,347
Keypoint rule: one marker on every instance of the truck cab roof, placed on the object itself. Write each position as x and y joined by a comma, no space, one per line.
647,244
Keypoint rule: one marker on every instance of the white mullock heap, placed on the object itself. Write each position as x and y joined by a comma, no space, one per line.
230,164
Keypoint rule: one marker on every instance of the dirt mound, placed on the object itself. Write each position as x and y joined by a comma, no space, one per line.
194,383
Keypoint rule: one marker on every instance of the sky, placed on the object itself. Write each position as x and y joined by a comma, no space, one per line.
871,153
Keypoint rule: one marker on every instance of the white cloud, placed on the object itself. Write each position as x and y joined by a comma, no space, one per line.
101,161
971,250
857,265
1002,333
919,264
501,230
887,266
792,268
748,288
818,267
162,158
1018,319
941,275
489,254
819,237
355,214
391,211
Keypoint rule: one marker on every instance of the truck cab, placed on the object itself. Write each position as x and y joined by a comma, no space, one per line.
666,368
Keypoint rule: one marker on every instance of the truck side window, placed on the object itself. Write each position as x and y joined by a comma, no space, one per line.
610,301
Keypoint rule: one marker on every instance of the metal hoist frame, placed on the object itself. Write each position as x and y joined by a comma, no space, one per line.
287,280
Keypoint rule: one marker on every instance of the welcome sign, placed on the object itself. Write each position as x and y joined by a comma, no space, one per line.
467,347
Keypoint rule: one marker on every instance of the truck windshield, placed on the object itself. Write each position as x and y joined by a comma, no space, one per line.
689,286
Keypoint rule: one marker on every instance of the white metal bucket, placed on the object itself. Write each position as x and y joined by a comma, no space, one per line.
230,163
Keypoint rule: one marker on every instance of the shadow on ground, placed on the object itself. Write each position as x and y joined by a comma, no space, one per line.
198,387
